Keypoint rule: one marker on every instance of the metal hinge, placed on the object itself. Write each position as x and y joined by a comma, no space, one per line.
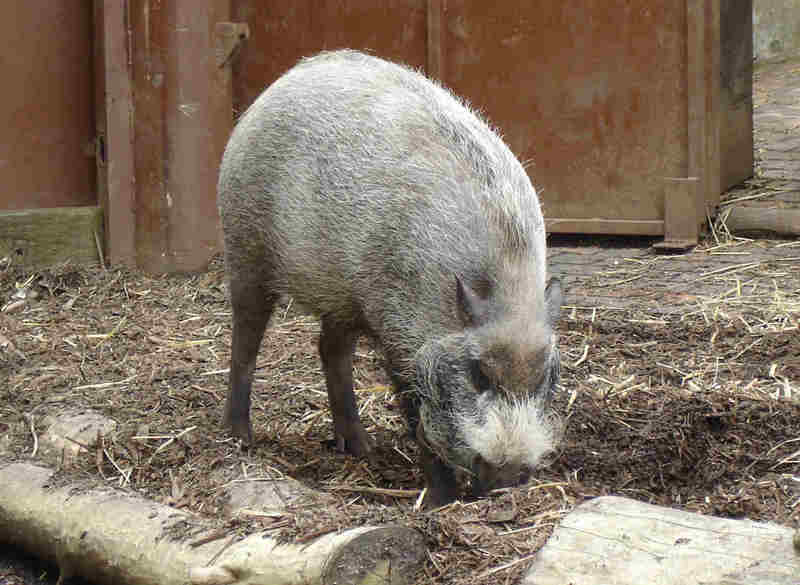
229,39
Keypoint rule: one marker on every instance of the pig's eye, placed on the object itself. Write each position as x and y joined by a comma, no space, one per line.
482,382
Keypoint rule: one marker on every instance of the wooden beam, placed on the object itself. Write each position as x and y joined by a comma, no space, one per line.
43,237
116,148
681,196
599,225
696,60
713,112
198,114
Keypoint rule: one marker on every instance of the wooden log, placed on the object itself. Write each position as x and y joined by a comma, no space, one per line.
43,237
111,536
764,219
779,215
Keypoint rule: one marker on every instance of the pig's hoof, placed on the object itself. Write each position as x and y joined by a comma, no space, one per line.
437,496
241,430
356,443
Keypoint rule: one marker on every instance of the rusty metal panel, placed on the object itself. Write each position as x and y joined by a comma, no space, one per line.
47,112
736,96
435,39
282,32
591,95
614,106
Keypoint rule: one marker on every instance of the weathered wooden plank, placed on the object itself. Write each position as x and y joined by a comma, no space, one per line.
43,237
625,542
116,168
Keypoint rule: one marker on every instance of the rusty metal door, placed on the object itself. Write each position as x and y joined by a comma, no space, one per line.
282,32
591,93
46,108
614,106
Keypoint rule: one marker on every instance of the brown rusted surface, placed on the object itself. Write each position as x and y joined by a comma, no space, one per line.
610,105
736,95
591,95
182,115
282,32
435,39
47,114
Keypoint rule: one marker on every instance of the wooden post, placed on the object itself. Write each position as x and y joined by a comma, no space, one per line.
197,126
114,148
168,116
713,111
696,60
686,199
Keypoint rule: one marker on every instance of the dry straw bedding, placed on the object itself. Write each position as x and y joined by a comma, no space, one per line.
696,408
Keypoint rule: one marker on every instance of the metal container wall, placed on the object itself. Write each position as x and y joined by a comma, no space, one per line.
614,106
282,32
47,112
592,95
630,115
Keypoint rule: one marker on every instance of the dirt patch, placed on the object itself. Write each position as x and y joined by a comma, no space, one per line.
695,409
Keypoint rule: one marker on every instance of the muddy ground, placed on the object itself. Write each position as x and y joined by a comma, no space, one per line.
696,407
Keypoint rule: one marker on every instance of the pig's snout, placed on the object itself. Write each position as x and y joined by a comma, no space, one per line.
487,477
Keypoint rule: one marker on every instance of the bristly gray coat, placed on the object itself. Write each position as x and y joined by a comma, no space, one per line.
386,206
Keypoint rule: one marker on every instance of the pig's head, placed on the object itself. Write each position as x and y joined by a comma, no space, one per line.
485,391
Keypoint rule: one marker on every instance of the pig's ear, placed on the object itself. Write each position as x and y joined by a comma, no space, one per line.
553,299
472,310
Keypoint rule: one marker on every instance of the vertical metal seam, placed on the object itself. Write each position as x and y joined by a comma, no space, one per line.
435,39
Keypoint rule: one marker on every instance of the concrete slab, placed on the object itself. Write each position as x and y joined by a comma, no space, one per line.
618,541
270,497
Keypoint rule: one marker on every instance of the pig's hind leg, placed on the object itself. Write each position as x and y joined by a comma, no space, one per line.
252,306
337,343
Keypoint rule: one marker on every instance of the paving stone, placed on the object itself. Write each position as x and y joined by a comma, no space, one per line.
776,119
